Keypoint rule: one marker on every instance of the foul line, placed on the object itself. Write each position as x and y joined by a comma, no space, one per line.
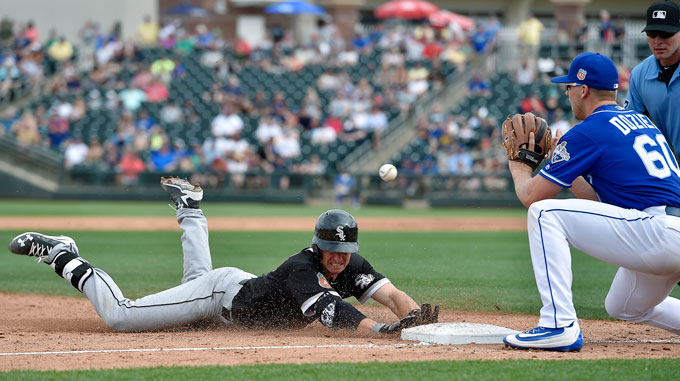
669,341
421,344
369,346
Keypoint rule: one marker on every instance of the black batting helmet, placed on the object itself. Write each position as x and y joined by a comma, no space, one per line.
336,231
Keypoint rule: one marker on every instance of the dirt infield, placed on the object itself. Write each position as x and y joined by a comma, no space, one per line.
60,333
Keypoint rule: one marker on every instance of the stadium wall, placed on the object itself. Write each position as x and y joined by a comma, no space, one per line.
67,17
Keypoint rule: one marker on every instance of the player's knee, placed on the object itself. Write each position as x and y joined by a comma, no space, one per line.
614,307
620,309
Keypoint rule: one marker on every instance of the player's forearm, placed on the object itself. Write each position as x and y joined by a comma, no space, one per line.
582,189
401,304
366,326
521,176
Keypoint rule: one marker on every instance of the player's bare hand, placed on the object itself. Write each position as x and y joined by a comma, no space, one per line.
532,142
558,136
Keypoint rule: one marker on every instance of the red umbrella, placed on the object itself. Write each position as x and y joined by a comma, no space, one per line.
406,9
443,18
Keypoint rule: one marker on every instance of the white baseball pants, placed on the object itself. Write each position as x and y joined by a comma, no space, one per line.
644,244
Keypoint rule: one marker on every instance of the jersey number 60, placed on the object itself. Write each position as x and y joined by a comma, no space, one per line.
658,164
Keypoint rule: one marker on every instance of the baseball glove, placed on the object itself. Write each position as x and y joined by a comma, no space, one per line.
408,321
428,315
516,130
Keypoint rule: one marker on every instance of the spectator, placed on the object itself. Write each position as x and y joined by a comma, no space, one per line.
458,160
95,152
479,87
26,129
313,166
147,32
75,152
267,129
61,50
237,166
132,98
144,120
58,131
526,72
171,113
606,31
31,34
226,146
163,68
417,80
227,123
164,160
529,33
157,91
287,145
130,166
533,104
344,187
328,81
9,116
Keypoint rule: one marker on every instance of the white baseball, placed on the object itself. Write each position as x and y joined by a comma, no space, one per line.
388,172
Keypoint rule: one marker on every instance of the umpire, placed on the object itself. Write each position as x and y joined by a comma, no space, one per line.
654,86
310,285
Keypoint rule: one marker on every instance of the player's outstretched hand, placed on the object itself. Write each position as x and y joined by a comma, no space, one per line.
428,314
408,321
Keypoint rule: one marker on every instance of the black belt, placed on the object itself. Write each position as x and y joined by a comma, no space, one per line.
673,211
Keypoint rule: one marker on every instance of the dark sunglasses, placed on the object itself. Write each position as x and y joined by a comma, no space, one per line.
655,33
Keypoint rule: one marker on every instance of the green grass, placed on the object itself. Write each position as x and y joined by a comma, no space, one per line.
12,207
646,369
476,271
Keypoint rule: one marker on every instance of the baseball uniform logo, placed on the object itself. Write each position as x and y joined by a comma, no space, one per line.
363,280
341,233
328,315
581,74
323,282
560,153
659,15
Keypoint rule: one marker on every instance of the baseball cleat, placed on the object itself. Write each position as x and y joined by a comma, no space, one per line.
182,193
39,245
566,339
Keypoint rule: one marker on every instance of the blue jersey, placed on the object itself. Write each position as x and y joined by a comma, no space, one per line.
622,155
647,95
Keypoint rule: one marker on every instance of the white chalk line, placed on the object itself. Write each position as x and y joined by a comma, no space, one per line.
240,348
371,346
669,341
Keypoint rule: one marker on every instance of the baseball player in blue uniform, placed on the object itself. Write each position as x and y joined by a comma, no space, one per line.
654,85
310,285
627,186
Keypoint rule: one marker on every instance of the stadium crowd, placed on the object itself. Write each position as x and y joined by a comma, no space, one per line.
361,86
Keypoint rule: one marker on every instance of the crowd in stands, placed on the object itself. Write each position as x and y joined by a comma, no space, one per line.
120,79
232,127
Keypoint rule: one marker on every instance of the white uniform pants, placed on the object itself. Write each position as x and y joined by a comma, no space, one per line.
201,295
644,244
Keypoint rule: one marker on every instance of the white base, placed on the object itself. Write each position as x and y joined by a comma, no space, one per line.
457,333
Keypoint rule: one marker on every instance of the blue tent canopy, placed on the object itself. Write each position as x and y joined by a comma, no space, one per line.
294,7
187,9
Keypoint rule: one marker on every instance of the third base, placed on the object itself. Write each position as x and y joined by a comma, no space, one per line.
457,333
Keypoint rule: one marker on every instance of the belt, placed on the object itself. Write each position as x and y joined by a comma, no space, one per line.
673,211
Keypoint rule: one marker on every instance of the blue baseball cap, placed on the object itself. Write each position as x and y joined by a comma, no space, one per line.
593,70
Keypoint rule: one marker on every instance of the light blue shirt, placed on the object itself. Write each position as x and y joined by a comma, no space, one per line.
647,95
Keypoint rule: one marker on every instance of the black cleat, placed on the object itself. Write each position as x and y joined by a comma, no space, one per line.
38,245
182,193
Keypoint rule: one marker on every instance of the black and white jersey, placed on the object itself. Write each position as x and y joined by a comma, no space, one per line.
285,298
